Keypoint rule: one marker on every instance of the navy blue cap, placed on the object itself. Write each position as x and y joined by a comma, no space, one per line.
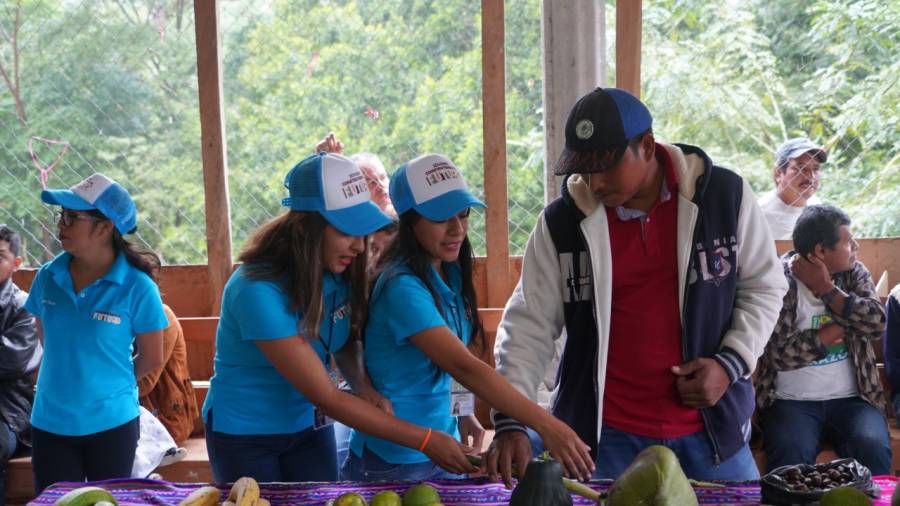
599,125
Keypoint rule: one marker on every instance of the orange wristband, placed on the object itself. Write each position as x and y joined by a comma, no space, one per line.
425,441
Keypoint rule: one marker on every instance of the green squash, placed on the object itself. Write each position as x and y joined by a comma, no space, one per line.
654,478
542,485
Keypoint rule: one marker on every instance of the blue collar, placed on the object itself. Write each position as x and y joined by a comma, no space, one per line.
454,278
331,282
59,269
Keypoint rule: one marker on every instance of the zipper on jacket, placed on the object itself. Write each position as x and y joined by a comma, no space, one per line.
596,364
703,415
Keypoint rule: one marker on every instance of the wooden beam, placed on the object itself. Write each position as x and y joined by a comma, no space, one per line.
628,46
215,162
494,131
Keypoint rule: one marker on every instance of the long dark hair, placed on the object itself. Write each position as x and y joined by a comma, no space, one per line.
144,260
288,250
405,249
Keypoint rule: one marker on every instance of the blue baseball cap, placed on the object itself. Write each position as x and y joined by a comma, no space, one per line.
101,193
333,186
433,186
598,128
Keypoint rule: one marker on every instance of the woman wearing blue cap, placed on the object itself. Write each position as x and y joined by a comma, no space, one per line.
422,318
289,309
96,303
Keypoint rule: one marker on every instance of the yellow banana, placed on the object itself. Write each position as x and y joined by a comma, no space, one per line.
263,502
203,496
244,492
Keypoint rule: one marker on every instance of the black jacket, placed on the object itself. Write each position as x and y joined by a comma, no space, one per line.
20,355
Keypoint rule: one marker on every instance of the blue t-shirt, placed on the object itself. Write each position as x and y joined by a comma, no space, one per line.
86,383
247,395
401,306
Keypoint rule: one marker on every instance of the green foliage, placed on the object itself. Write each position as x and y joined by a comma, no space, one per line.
117,80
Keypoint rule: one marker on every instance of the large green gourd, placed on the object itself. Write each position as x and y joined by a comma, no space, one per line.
542,485
654,478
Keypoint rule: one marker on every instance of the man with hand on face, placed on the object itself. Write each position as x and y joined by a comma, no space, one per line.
661,269
796,171
818,378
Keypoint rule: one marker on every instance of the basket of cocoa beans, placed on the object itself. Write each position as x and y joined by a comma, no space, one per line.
805,484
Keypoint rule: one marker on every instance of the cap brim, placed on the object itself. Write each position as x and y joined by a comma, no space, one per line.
359,220
446,206
66,199
820,154
585,162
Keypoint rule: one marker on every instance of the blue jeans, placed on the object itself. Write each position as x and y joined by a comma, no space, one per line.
617,449
793,432
371,467
308,455
99,456
8,444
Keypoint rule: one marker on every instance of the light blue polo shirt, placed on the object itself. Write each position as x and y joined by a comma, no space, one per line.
247,396
86,383
401,306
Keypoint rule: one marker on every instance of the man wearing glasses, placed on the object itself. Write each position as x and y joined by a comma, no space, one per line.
796,172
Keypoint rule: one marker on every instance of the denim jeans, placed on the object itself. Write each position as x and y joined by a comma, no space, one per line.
8,444
308,455
793,432
99,456
371,467
617,449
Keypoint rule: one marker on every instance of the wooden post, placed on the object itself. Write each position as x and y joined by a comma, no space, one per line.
494,131
628,46
215,162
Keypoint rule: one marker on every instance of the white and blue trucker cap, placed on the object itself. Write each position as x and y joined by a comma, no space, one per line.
101,193
433,186
333,186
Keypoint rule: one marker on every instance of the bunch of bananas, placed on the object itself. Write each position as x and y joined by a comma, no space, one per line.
244,492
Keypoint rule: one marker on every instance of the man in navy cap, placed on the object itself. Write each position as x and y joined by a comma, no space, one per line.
796,172
661,269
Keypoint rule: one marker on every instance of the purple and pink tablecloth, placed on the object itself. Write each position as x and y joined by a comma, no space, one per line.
453,492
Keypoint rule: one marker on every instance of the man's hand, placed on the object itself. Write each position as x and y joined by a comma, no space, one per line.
812,272
330,144
831,334
507,448
701,382
470,426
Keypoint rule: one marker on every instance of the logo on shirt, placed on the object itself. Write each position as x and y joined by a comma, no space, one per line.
106,317
576,273
340,312
48,302
716,261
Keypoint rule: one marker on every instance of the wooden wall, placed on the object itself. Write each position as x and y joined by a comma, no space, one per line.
185,288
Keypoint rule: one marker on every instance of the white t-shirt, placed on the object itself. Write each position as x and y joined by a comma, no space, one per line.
832,377
782,217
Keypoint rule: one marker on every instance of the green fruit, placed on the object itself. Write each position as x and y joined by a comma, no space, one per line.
542,485
386,498
654,477
85,496
895,497
421,495
350,499
845,496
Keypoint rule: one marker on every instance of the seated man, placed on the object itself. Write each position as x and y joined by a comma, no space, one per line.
817,377
20,355
891,344
796,183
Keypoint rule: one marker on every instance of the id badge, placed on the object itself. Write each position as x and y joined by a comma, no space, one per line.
320,419
462,401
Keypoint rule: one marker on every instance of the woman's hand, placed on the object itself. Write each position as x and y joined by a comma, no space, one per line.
449,453
568,449
469,426
374,398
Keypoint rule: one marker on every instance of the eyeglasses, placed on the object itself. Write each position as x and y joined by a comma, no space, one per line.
67,217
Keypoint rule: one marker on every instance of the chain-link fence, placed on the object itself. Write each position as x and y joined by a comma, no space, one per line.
114,82
107,86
